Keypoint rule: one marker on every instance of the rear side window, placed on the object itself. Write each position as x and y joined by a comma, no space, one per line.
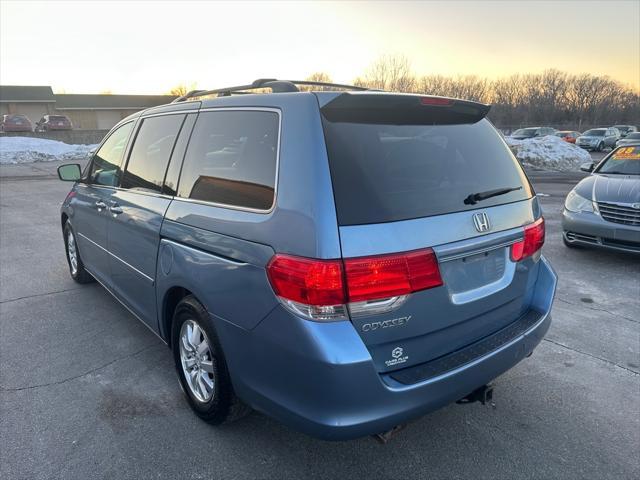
385,173
231,159
151,152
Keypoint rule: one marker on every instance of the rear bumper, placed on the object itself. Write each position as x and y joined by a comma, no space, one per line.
319,377
589,229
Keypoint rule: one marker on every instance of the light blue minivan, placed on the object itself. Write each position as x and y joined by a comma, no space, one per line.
343,260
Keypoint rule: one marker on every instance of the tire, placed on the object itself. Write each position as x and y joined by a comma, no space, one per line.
76,267
208,390
600,147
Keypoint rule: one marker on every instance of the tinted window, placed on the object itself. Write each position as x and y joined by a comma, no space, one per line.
151,152
384,173
231,159
105,165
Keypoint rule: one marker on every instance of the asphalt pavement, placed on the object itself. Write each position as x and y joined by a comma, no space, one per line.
86,391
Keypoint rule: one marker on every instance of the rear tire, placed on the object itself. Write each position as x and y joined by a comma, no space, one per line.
76,267
201,365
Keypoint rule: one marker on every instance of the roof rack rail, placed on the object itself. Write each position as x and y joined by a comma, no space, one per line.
276,86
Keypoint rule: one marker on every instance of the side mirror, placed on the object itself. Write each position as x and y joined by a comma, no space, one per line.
70,172
587,167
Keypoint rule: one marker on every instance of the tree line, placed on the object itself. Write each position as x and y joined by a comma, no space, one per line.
551,98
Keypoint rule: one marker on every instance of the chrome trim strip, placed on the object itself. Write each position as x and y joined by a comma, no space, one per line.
479,251
198,250
169,112
118,258
125,305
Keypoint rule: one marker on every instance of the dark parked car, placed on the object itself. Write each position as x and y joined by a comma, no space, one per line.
343,261
532,132
568,135
626,129
603,210
53,122
15,123
598,139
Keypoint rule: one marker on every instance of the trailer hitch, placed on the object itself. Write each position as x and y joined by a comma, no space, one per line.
484,395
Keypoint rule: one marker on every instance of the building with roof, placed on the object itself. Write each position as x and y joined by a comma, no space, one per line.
32,101
87,112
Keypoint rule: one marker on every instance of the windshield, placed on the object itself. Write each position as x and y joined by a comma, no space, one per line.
385,173
525,132
594,133
623,161
57,117
622,128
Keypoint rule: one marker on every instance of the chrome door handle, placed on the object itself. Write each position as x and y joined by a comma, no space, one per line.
115,210
100,205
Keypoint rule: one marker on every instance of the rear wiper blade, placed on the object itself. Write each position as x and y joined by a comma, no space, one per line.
474,198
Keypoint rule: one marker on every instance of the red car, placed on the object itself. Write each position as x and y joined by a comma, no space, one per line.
15,123
568,135
53,122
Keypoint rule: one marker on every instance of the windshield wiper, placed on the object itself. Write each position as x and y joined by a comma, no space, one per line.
474,198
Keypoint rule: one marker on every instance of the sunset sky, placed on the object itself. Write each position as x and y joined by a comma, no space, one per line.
150,46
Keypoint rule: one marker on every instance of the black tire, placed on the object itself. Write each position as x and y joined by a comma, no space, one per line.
601,147
223,406
79,274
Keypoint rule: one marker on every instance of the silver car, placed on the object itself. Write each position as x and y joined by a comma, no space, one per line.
631,139
598,139
626,129
603,210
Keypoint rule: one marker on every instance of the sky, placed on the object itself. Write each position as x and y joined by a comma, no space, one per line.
148,47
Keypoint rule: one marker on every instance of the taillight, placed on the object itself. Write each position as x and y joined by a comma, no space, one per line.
324,289
384,276
532,242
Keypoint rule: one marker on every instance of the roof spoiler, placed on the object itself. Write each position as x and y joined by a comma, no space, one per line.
398,109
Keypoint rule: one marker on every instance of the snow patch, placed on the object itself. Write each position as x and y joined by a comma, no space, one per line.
29,149
549,153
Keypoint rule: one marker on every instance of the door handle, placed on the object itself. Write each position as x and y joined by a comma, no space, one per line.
100,205
115,210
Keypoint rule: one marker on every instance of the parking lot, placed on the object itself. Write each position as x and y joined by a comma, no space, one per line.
88,392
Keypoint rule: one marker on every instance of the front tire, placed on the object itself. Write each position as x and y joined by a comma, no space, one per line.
76,267
600,147
201,365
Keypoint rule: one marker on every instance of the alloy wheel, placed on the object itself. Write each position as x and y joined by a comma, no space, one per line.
72,252
197,361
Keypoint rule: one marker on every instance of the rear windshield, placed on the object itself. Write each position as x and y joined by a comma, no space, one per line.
57,117
385,173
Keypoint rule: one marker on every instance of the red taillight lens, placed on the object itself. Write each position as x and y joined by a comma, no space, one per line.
532,242
307,281
384,276
436,101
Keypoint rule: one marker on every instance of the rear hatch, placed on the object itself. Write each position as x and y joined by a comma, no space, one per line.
427,193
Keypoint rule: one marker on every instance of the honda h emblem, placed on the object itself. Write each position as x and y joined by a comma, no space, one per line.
481,221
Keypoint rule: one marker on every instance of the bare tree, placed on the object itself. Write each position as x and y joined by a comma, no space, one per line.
182,89
390,72
317,77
